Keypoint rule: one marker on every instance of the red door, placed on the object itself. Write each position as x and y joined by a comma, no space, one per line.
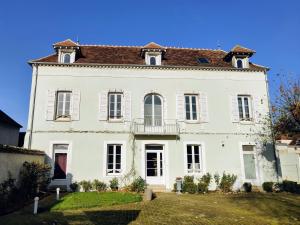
60,167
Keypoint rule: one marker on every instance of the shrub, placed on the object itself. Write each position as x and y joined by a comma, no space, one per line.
247,186
138,185
289,186
86,185
217,179
227,182
114,184
204,182
99,186
268,186
74,186
188,185
34,177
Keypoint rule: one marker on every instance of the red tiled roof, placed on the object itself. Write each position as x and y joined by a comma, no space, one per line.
241,49
127,55
66,43
152,45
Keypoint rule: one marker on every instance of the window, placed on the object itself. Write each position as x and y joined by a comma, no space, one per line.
152,60
203,60
249,162
60,152
115,106
153,110
193,158
191,107
63,104
67,58
244,104
239,63
113,159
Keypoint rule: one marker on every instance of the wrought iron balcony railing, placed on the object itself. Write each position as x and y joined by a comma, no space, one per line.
148,126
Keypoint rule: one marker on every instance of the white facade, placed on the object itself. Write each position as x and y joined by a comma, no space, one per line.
217,128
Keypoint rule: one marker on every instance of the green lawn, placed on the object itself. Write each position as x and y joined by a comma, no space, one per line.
95,199
169,208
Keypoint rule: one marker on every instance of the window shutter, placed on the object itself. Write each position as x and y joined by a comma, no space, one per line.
203,107
50,108
75,105
127,106
235,118
103,99
180,106
257,109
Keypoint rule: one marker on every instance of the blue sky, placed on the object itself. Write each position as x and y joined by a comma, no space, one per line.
29,28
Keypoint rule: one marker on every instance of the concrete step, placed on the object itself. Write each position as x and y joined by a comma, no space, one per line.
157,188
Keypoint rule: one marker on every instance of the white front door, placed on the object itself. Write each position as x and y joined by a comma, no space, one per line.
154,164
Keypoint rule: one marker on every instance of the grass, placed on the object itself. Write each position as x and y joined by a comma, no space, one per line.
169,208
95,199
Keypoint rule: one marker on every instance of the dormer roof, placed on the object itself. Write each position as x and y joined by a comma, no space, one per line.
241,49
152,45
66,43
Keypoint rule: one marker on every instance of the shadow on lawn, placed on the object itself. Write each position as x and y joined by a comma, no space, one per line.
111,217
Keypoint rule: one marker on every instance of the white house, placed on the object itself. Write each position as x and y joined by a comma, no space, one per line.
159,112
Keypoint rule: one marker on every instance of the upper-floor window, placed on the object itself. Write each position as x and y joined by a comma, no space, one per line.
239,63
67,58
153,110
114,162
152,60
244,104
115,106
193,154
191,107
63,104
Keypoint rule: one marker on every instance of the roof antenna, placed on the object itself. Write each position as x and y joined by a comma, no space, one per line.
218,45
77,39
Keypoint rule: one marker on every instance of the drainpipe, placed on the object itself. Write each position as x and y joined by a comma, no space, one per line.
272,133
33,106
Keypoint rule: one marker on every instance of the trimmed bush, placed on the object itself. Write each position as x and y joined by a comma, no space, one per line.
289,186
247,186
217,179
74,186
268,186
86,185
204,182
227,182
138,185
114,184
99,186
188,185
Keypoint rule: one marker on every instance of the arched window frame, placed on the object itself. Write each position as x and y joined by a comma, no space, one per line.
153,123
152,60
67,58
239,63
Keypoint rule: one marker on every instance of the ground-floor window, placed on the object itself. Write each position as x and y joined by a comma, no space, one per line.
60,152
114,162
193,154
249,162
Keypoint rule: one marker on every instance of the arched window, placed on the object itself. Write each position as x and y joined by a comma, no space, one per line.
67,58
152,60
239,63
153,110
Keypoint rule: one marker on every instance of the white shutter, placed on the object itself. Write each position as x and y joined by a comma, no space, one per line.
257,109
75,105
203,107
103,99
234,109
180,106
50,107
127,106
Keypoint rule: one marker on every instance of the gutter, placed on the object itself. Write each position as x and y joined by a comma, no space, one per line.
33,108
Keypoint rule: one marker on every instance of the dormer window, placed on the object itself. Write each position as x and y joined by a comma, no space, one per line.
67,58
239,63
152,60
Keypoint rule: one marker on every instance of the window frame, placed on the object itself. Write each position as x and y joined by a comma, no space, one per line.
122,160
156,55
153,112
63,116
202,162
191,111
249,98
114,118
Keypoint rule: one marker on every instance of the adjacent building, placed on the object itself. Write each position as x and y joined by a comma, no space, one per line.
153,111
9,130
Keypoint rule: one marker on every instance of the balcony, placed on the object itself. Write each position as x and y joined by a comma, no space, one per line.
155,127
